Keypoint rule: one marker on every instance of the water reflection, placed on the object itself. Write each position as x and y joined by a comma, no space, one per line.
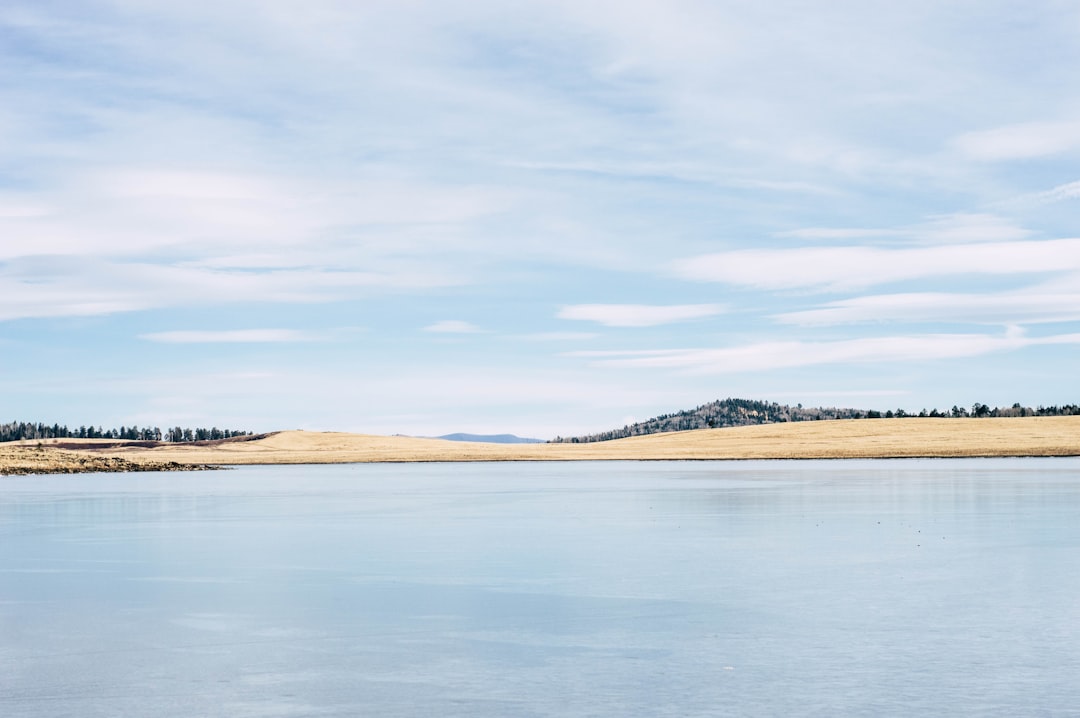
544,589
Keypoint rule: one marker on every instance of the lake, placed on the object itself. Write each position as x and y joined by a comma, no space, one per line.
856,588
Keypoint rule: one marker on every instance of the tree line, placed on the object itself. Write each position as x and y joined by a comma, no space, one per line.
746,412
22,430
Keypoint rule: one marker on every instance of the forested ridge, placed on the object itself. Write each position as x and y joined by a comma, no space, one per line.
22,430
747,412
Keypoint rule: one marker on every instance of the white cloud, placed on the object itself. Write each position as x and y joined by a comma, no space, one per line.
767,356
964,227
453,326
839,233
372,153
234,336
1023,141
678,169
145,212
638,315
20,208
1035,306
1060,193
837,268
67,286
556,336
136,183
961,227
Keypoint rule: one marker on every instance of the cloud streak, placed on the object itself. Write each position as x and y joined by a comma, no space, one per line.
857,267
453,326
65,286
231,336
638,315
392,164
957,228
1034,306
1020,142
767,356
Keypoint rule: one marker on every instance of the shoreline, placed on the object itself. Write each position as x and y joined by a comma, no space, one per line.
34,461
911,437
14,470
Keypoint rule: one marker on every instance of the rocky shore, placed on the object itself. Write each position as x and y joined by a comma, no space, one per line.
22,460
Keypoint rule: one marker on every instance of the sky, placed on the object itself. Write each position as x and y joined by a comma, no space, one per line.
543,217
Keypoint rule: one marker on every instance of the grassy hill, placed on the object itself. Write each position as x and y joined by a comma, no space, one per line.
719,414
749,412
843,439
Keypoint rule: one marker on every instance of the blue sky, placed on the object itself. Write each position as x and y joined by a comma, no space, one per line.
536,217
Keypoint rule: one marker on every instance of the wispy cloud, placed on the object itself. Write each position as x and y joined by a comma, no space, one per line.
139,212
1018,142
69,286
767,356
957,228
1060,193
840,268
639,315
840,233
453,326
556,336
234,336
359,162
1033,306
964,227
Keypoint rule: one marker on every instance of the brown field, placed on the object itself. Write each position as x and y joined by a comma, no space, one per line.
865,438
28,458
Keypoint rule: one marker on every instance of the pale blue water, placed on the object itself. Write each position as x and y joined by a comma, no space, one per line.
600,589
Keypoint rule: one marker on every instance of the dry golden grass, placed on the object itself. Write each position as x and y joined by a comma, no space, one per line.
16,459
866,438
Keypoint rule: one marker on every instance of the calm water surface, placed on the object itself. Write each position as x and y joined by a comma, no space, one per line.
586,589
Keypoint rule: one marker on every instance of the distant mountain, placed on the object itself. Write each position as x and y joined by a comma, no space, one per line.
491,438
